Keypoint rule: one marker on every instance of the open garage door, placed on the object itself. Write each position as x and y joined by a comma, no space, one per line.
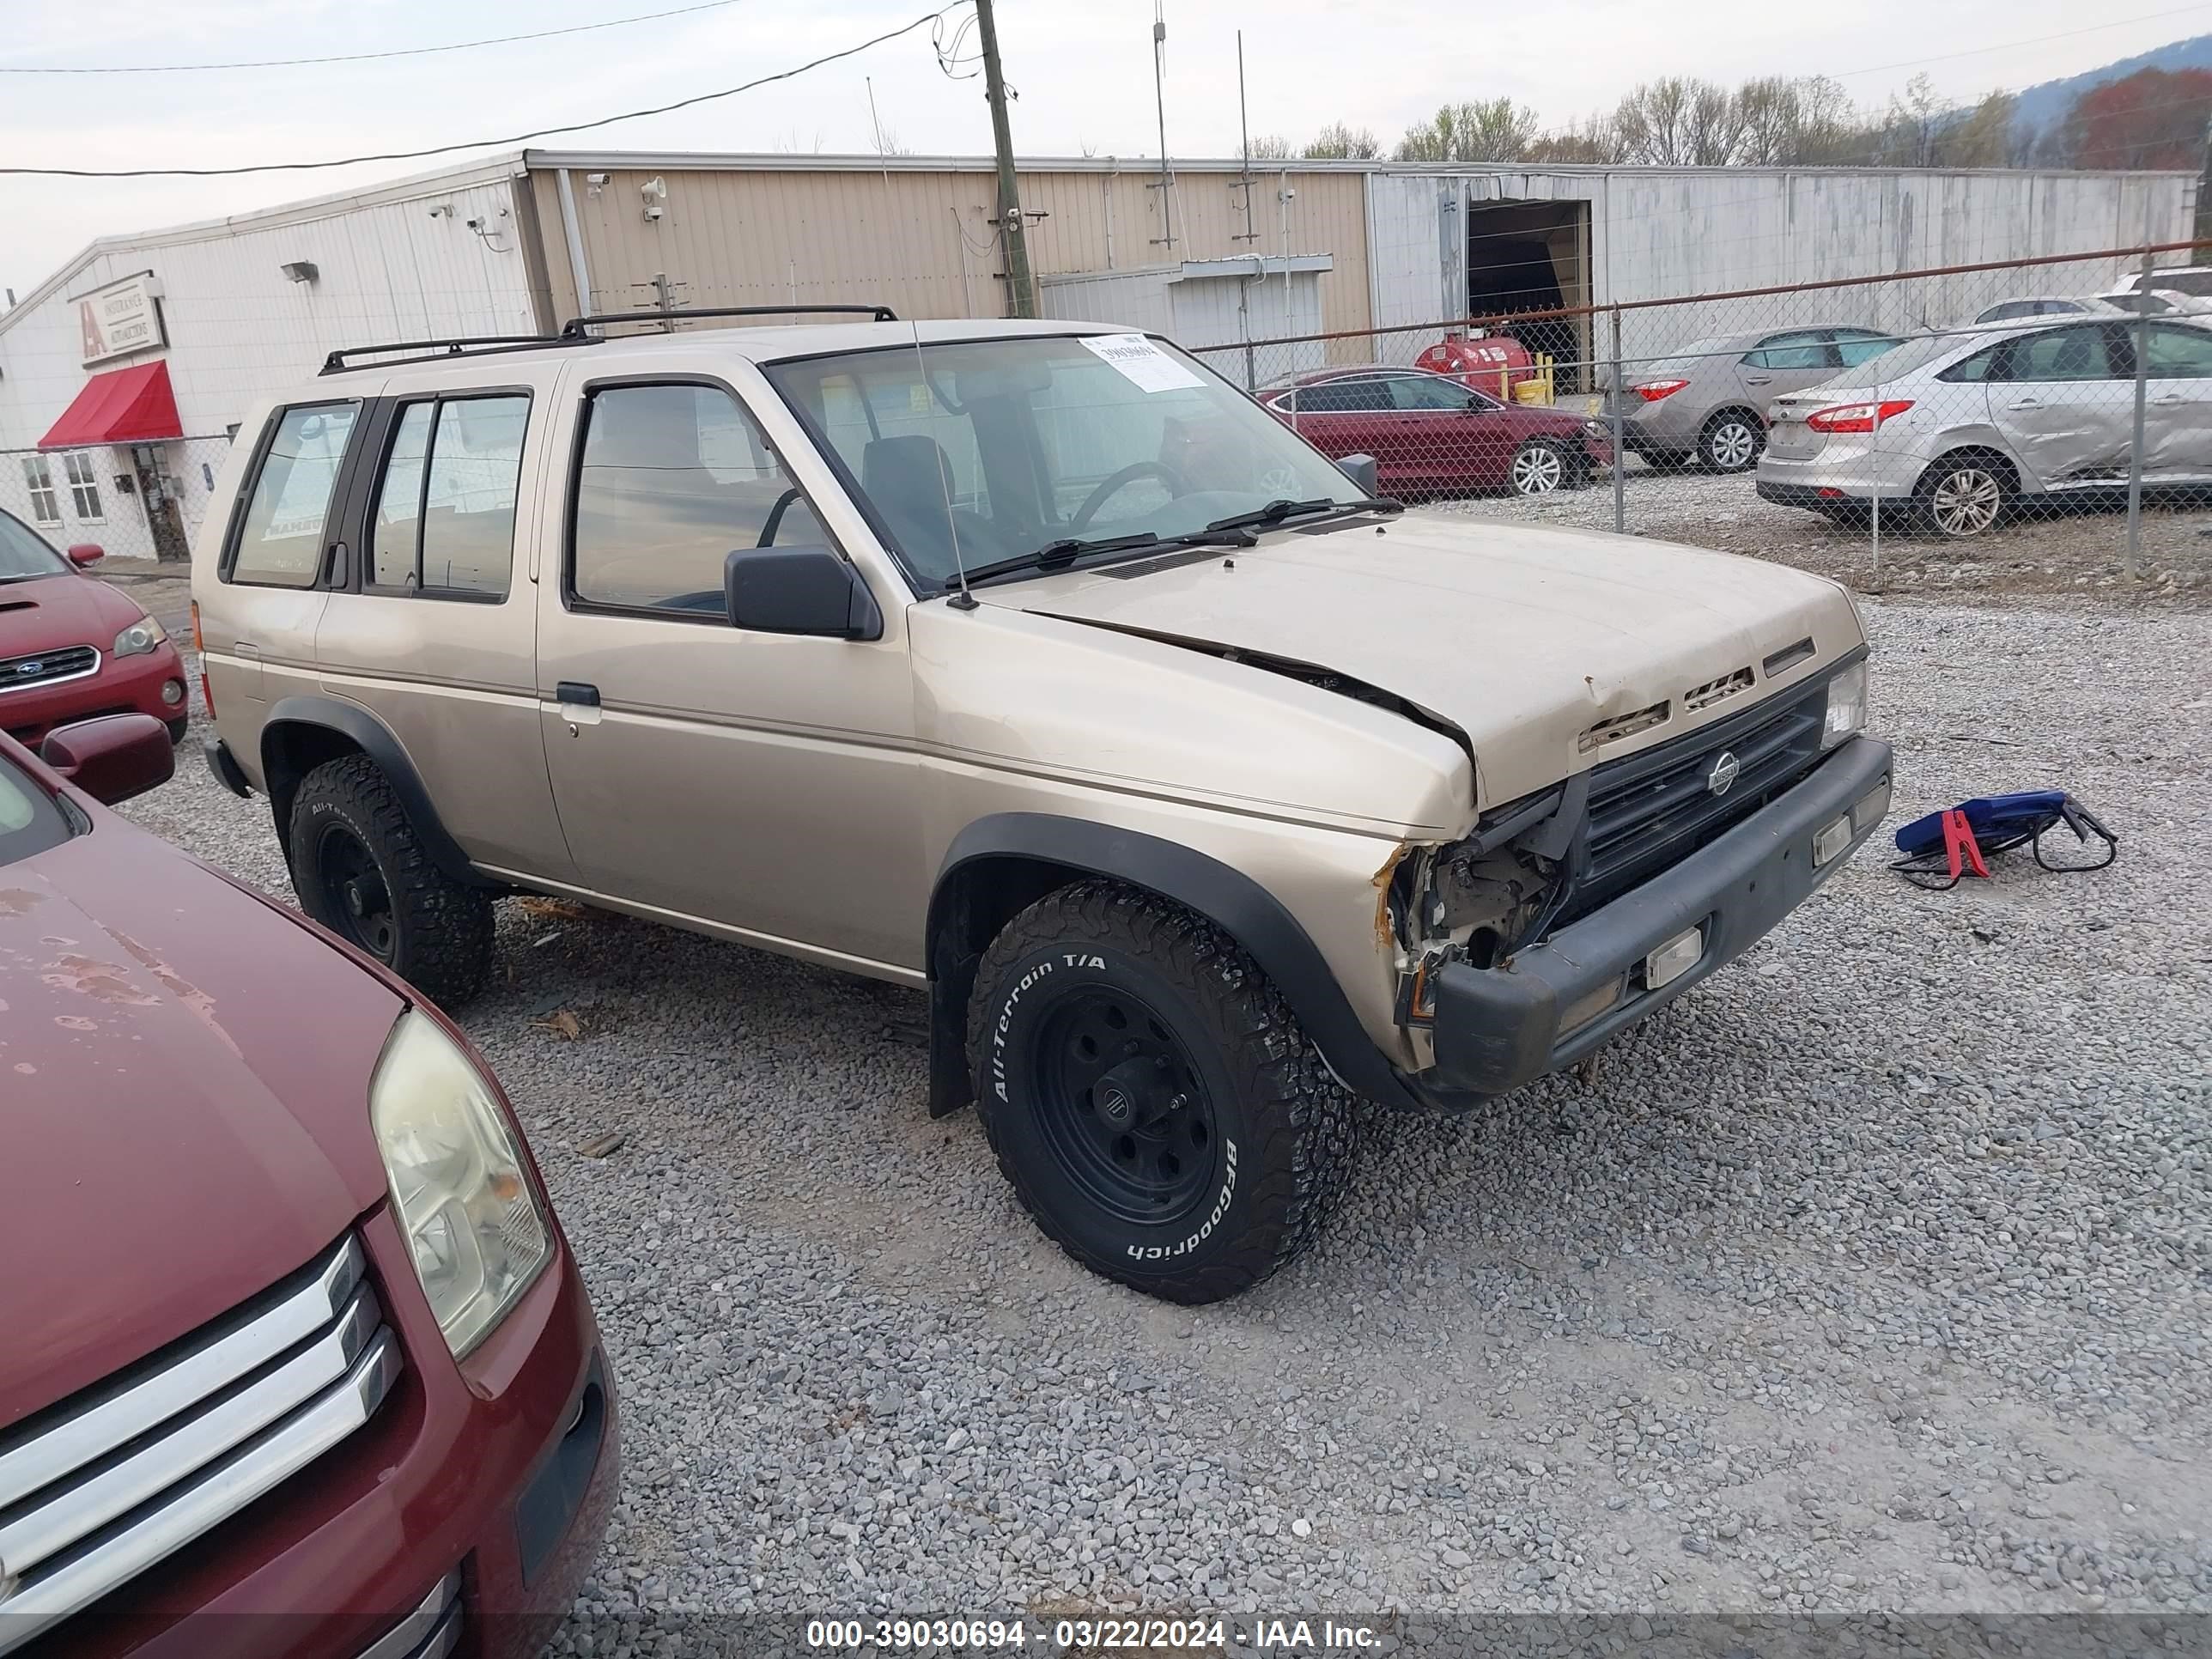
1534,256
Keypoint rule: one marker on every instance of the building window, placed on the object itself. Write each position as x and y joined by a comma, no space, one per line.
40,478
84,487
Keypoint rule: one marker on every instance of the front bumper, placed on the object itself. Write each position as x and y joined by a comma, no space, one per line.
477,1497
122,685
1497,1029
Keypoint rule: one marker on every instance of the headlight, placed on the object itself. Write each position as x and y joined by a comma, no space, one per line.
456,1181
1847,706
1597,429
139,638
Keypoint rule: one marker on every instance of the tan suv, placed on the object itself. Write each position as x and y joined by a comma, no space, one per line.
1037,666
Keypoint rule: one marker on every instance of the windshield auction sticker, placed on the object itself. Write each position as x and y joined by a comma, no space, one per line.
1140,362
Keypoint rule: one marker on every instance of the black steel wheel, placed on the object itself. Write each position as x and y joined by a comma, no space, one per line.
1123,1106
351,888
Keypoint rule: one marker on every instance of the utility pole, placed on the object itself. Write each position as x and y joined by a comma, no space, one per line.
1021,294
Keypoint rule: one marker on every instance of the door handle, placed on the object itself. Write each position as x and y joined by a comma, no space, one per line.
2026,403
1759,380
339,574
579,703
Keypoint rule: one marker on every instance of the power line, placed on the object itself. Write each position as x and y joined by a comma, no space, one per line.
360,57
2032,41
936,17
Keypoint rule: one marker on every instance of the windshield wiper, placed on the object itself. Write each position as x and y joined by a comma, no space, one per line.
1277,511
1053,555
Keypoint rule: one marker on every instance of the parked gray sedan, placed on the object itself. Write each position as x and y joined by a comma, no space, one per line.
1707,401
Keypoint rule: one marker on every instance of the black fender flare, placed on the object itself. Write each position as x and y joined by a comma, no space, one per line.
1226,897
375,740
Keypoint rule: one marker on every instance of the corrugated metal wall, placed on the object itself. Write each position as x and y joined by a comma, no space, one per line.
918,237
1659,234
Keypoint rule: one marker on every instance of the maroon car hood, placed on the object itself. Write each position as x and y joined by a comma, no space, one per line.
65,610
184,1079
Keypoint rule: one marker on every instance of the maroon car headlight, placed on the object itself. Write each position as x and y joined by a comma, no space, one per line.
463,1203
1597,429
139,638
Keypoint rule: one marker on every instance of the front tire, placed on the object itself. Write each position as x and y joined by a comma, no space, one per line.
1540,467
1161,1114
360,870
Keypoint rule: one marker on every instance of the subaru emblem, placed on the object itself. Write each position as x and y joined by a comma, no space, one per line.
1722,778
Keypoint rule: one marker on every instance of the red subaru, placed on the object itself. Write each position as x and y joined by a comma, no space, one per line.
72,648
1434,435
295,1358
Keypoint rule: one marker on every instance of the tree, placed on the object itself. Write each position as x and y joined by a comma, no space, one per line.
1677,122
1594,143
2152,118
1338,142
1486,129
1272,147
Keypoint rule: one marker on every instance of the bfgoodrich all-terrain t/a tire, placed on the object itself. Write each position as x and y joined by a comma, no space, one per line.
360,869
1148,1092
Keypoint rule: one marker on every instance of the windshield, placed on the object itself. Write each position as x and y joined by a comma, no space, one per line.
24,552
30,821
976,452
1916,353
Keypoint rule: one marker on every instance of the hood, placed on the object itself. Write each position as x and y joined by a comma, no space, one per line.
1521,638
64,609
184,1081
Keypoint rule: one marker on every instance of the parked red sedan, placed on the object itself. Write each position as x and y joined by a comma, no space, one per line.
296,1360
1431,435
72,648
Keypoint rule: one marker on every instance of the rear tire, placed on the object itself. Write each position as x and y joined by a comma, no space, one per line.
1732,441
1161,1115
1540,467
1962,496
360,870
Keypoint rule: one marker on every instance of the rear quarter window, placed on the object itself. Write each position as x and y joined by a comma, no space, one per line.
280,541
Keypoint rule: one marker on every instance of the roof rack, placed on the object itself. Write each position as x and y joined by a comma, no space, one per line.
577,328
433,350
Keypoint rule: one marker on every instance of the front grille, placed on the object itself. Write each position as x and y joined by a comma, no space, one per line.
63,662
1651,809
101,1487
431,1631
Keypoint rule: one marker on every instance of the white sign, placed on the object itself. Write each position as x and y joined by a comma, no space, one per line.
120,318
1140,363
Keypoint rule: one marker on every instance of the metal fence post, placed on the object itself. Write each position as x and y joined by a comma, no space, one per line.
2133,564
1619,455
1874,446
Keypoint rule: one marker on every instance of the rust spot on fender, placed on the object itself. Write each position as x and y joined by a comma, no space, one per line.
103,982
17,901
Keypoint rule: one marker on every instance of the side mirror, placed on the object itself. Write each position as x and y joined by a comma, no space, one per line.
1361,469
84,553
798,590
114,757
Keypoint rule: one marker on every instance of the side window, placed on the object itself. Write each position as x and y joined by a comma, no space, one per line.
2198,284
280,544
1974,369
445,509
1798,350
671,480
1857,348
1425,392
2174,353
1343,397
2081,353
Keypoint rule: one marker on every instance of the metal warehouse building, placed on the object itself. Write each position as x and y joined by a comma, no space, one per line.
122,376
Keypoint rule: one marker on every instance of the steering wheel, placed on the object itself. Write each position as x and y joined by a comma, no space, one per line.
1128,475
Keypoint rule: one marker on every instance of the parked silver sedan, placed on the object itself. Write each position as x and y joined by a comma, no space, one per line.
1707,401
1966,428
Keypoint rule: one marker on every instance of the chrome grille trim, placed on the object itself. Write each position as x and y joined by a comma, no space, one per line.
62,663
152,1464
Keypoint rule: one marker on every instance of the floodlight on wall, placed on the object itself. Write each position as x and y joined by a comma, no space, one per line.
655,191
300,270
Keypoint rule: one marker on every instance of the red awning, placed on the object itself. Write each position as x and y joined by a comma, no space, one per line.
123,406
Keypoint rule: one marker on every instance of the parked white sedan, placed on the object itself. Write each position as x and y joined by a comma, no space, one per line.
1965,428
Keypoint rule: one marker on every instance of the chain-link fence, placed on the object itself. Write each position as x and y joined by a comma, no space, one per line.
1952,404
133,500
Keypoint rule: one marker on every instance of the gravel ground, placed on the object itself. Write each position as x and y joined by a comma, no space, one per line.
1874,1273
2077,552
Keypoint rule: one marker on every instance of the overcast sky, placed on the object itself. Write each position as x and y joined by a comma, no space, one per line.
1083,69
